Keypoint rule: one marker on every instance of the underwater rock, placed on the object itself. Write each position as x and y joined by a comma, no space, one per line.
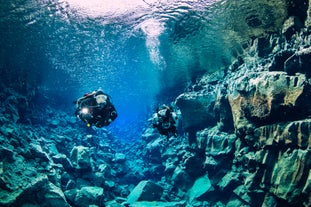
222,109
37,152
299,62
248,197
11,106
54,197
200,188
229,182
291,26
40,192
170,165
268,97
69,185
105,169
197,109
155,171
157,204
120,169
279,59
215,142
62,159
150,134
235,201
306,191
145,191
89,195
80,158
270,201
288,182
54,123
254,138
6,154
308,19
193,164
119,157
152,151
114,203
291,134
181,179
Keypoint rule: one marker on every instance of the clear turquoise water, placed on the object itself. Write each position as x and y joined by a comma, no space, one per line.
142,55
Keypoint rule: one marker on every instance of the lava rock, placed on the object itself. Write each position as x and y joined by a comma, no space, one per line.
291,134
89,195
300,62
80,158
200,188
268,97
145,191
291,26
197,109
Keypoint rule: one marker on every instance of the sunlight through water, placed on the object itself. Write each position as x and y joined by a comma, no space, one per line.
141,52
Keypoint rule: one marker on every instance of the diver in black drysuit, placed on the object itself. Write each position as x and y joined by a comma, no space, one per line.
165,120
95,108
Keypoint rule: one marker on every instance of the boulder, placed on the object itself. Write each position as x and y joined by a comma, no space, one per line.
230,181
71,194
193,164
89,195
54,197
153,151
38,192
62,159
38,153
80,158
181,179
200,188
197,109
119,157
145,191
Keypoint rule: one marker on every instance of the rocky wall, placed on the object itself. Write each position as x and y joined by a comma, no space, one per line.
257,141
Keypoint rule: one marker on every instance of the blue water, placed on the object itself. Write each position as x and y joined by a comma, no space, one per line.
142,56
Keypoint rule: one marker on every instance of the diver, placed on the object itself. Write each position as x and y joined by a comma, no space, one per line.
95,108
165,120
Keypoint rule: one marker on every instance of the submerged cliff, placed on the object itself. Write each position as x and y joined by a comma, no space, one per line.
245,141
